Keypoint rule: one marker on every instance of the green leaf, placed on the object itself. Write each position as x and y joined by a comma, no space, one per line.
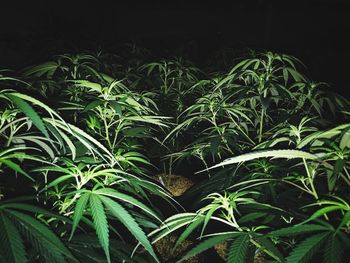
11,244
92,105
16,168
134,132
345,140
296,75
39,141
87,140
171,224
344,221
189,229
208,216
79,211
47,68
333,173
323,211
128,199
100,222
29,111
206,244
12,204
269,248
238,249
289,154
297,230
333,251
93,86
129,222
60,179
317,136
251,217
306,249
116,106
42,234
156,120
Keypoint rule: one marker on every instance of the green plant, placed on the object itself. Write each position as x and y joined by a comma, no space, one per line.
82,136
87,162
246,106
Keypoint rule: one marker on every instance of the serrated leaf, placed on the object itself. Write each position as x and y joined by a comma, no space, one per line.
88,84
42,233
345,221
128,199
238,249
16,168
47,68
79,211
269,248
11,244
100,222
206,244
306,249
29,112
251,217
323,211
129,222
345,140
289,154
189,229
12,204
297,230
59,180
208,216
92,105
333,251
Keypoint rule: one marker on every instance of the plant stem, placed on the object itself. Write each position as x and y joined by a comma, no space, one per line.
313,189
170,165
261,124
347,180
311,181
104,117
264,250
242,131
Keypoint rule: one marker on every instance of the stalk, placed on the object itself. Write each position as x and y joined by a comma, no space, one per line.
347,180
242,131
263,249
104,117
313,189
311,181
261,124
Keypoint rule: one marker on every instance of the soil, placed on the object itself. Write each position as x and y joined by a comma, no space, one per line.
164,249
177,185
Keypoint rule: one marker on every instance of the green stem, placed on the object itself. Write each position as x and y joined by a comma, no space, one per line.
264,249
10,137
261,124
347,180
170,165
242,131
116,135
311,180
104,117
313,189
307,190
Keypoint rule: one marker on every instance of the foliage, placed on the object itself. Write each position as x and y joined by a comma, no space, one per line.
82,137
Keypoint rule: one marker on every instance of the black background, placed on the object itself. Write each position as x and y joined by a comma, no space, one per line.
316,31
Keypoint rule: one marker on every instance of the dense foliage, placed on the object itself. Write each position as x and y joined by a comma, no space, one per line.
84,136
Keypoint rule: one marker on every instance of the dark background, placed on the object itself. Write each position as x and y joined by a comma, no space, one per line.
316,31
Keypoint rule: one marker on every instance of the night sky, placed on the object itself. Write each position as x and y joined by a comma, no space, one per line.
317,32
